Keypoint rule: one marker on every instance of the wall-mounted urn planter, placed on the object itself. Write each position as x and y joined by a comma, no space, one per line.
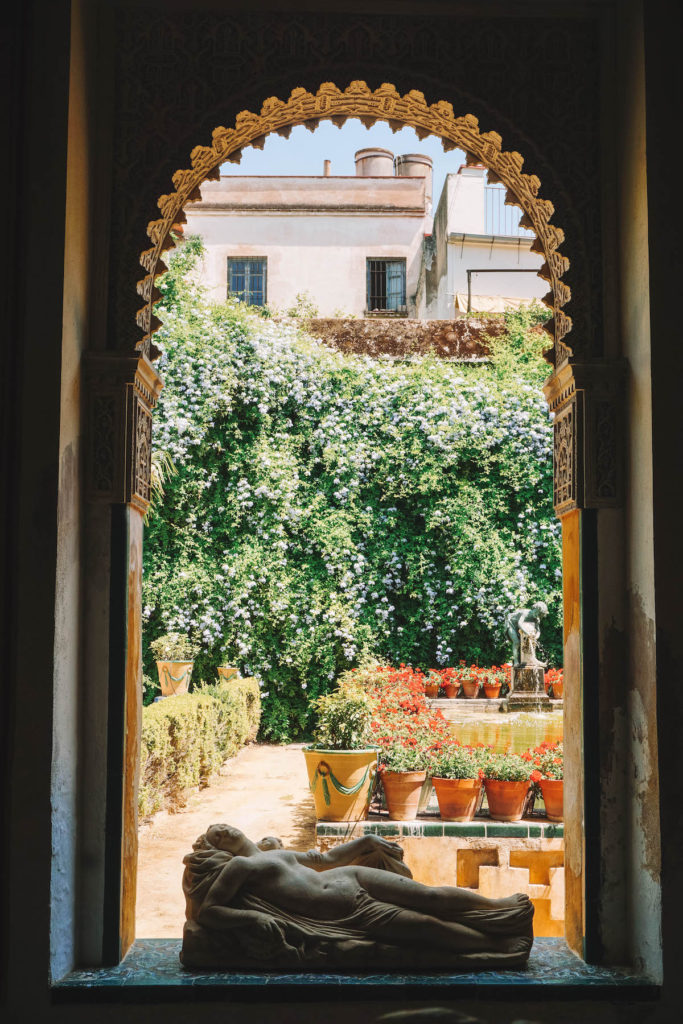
227,672
174,677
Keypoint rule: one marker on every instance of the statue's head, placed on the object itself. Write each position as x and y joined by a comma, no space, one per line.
270,843
541,608
226,837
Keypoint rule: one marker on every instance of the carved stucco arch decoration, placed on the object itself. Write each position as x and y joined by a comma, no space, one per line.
382,104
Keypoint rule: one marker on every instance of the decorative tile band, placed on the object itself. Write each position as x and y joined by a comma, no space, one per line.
482,828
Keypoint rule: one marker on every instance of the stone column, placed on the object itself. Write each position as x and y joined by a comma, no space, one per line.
587,475
122,391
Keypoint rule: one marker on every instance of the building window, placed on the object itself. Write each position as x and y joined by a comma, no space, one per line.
386,285
247,279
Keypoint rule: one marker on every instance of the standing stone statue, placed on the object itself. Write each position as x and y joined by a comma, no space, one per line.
523,626
262,907
527,692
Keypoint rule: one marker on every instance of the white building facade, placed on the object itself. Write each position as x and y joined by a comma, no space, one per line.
478,258
352,245
366,245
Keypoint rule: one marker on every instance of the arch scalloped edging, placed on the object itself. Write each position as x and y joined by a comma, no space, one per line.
382,104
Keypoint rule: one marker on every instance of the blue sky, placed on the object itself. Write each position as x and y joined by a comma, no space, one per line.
304,151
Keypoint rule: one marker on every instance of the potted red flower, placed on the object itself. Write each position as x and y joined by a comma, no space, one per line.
450,682
402,771
553,681
548,775
507,783
432,683
456,773
470,679
493,680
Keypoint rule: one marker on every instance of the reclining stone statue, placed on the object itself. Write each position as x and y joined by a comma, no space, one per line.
262,907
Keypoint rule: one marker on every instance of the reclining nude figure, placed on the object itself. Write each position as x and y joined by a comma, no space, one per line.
264,907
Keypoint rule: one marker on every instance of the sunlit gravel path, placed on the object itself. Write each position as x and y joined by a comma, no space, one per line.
264,791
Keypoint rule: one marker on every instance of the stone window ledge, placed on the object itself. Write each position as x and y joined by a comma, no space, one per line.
152,971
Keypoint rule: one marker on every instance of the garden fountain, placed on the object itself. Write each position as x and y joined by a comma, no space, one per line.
527,692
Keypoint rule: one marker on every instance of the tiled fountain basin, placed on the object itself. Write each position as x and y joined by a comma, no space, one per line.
497,858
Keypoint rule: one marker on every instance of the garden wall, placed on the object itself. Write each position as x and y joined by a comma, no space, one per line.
186,739
461,339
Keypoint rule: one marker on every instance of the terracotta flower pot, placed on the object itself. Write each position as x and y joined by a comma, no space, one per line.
553,798
451,689
492,690
174,677
227,672
470,688
558,690
402,791
431,689
457,798
506,799
341,782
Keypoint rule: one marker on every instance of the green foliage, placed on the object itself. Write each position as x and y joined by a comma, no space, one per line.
161,470
329,509
507,767
454,761
303,306
150,689
185,739
400,758
173,647
343,719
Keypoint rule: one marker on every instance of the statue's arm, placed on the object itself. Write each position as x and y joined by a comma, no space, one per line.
529,623
215,911
349,853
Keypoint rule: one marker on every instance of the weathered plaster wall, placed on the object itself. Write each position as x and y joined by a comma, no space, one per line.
638,702
65,726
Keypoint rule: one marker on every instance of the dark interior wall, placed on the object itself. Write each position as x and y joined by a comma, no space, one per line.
36,62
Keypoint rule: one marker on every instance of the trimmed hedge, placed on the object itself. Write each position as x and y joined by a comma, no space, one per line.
186,739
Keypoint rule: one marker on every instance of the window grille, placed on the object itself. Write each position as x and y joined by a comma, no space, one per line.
247,279
386,285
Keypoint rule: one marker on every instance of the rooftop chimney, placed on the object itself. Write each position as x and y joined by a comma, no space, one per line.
416,165
327,168
371,163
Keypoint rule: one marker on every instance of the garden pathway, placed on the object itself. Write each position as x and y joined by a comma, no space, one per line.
263,790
